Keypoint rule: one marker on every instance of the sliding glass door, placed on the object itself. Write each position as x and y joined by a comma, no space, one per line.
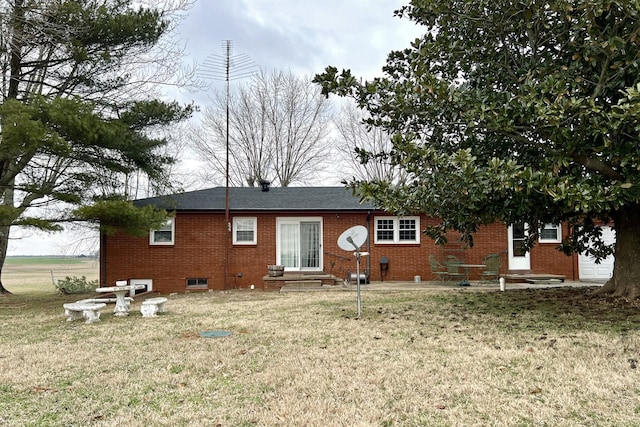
299,243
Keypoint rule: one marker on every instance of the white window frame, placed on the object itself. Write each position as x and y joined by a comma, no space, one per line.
169,225
297,221
396,230
558,239
236,227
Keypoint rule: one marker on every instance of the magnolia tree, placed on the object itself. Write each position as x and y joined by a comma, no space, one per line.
517,111
77,117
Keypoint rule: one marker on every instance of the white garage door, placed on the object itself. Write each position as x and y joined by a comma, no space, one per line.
588,268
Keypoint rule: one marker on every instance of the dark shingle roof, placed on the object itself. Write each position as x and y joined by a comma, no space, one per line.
254,199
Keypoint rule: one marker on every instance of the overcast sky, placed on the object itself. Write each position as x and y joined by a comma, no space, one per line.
303,36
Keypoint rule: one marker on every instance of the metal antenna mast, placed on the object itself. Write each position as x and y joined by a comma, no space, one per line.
227,67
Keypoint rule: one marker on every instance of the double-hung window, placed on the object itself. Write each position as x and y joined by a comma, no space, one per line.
165,235
397,229
550,233
245,231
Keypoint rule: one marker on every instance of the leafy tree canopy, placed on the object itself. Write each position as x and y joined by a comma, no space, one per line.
513,111
118,215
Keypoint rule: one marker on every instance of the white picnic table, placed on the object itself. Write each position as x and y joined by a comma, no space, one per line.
122,305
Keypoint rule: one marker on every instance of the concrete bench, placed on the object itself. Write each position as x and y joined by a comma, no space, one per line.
150,307
129,300
89,310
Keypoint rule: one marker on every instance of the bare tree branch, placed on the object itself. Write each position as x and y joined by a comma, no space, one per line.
278,131
354,134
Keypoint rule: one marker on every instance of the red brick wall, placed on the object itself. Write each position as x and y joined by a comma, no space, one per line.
199,251
545,258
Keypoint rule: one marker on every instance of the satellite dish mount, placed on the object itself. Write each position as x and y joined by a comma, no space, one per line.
353,239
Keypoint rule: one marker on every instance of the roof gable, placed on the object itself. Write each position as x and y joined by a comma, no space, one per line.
255,199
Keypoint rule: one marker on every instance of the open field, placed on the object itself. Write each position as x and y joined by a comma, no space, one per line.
457,357
36,270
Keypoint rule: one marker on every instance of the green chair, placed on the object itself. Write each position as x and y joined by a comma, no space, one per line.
491,272
438,270
455,273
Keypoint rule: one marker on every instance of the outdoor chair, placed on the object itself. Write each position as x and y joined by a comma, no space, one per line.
455,273
491,273
438,270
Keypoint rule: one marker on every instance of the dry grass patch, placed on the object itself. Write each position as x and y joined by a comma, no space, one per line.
520,358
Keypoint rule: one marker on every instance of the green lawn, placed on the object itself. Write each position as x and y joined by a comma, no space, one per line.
42,260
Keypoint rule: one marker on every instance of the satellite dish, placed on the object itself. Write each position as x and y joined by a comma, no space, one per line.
353,238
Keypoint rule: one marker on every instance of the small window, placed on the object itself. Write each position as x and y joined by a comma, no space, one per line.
197,282
164,235
245,231
397,230
550,234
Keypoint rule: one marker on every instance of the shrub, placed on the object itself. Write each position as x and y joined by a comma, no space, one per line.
76,285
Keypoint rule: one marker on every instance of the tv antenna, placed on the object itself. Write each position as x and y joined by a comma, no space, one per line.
227,67
350,239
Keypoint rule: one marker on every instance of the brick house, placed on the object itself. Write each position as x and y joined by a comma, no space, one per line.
298,227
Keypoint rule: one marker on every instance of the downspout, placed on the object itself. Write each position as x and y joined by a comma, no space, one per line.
103,259
368,247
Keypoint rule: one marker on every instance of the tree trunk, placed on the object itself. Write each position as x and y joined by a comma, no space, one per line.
626,270
4,244
3,290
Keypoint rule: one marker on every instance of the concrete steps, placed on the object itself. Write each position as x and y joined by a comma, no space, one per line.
542,279
301,282
303,286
